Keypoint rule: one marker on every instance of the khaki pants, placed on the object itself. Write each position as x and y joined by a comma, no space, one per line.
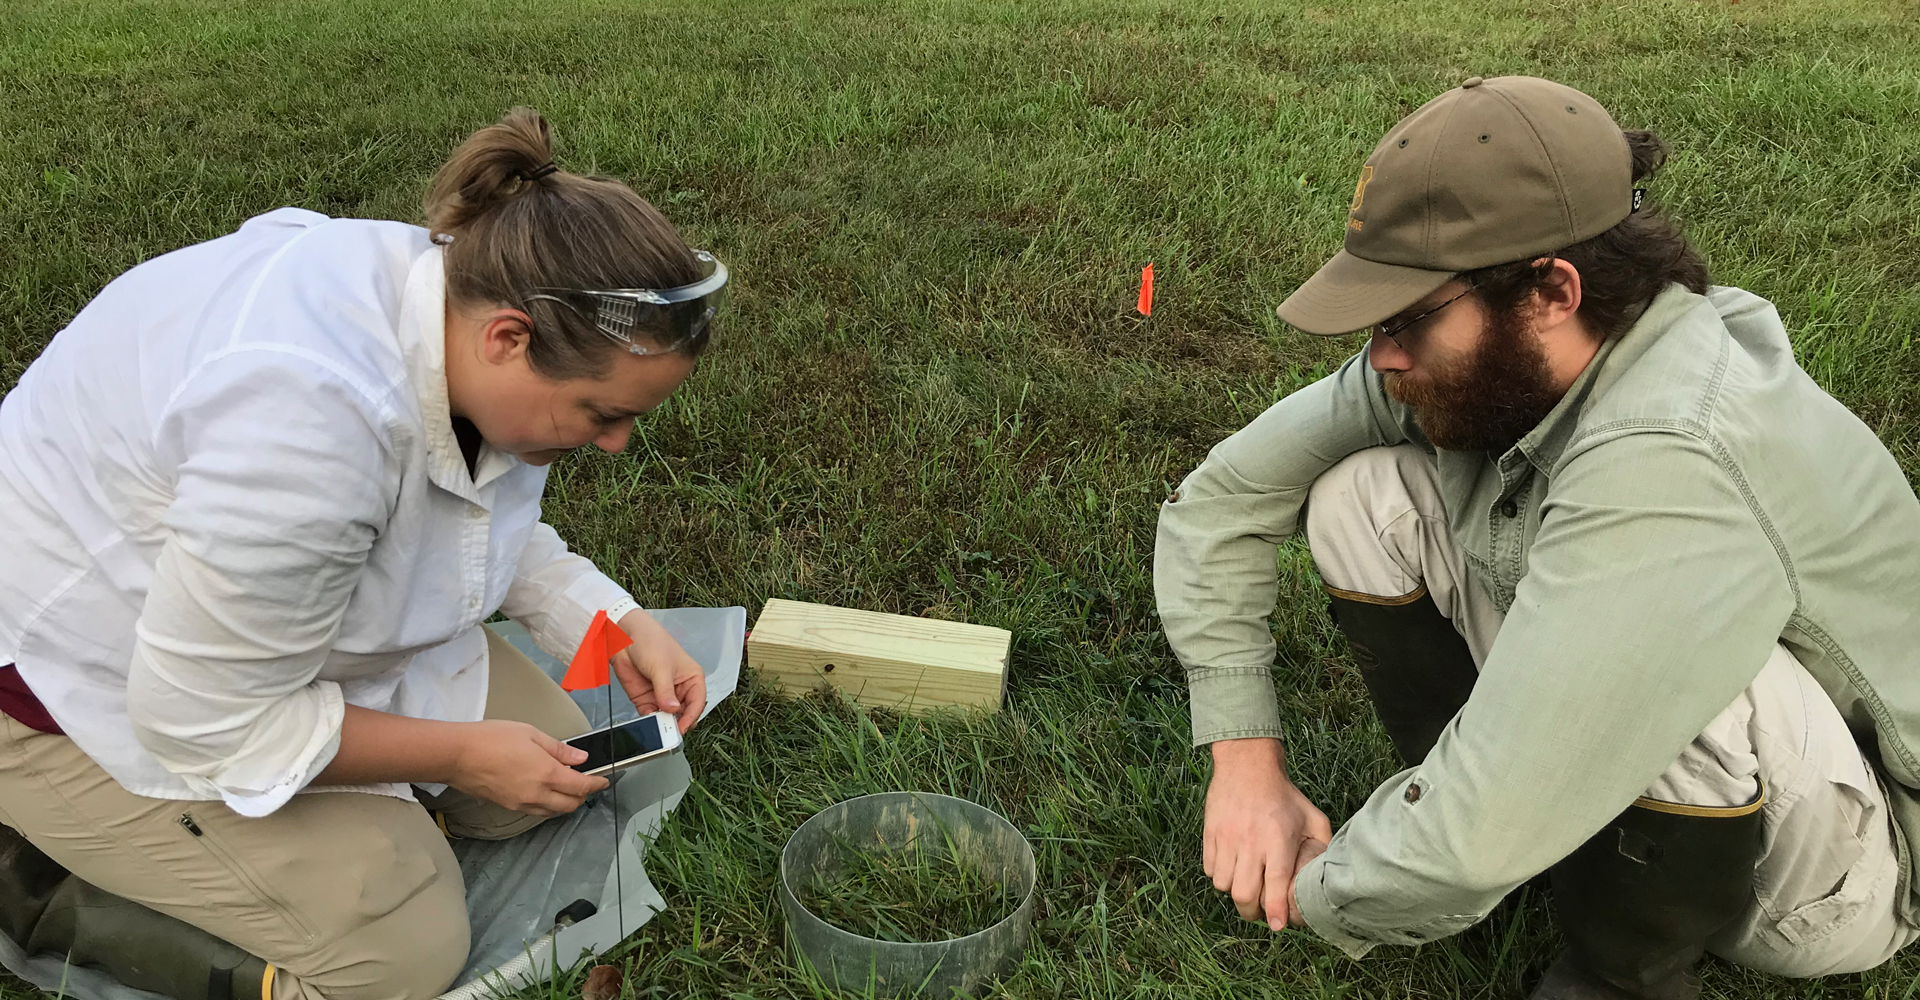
352,896
1828,881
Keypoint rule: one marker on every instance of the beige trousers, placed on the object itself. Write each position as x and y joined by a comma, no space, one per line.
1828,881
351,896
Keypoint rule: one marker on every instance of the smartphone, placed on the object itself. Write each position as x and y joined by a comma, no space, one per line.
629,743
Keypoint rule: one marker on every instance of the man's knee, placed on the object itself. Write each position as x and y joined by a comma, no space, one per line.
1354,510
1356,484
1829,881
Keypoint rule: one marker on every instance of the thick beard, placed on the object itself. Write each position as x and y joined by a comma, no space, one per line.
1488,400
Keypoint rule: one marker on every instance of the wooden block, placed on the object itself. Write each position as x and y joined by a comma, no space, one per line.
880,660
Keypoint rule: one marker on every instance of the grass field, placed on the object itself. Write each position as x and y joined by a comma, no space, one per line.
931,395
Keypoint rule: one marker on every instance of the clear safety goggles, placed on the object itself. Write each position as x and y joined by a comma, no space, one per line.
651,320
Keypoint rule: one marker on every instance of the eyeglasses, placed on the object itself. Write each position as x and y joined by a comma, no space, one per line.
1393,333
671,319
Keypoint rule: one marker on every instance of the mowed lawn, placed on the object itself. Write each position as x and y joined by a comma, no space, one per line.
931,394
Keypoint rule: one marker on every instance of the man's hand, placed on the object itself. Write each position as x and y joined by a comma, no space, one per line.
657,674
517,766
1260,831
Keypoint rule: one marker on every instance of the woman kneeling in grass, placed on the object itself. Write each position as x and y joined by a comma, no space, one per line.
257,500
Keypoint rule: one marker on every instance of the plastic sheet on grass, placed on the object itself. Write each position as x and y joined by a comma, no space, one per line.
516,888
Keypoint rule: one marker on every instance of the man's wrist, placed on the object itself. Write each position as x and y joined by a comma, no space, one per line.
1262,752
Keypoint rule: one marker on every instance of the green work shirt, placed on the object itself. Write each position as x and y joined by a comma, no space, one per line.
1694,499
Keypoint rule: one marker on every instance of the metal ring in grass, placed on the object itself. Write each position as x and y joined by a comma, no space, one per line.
892,821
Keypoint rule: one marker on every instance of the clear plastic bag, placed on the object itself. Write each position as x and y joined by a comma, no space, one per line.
517,888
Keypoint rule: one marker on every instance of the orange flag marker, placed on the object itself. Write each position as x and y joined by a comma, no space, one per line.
589,666
1146,291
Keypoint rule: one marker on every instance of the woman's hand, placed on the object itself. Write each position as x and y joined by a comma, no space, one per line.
657,674
517,766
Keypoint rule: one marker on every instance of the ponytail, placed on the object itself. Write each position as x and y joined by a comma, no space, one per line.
1621,270
513,224
493,165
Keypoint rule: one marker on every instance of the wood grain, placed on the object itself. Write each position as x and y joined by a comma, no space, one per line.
880,660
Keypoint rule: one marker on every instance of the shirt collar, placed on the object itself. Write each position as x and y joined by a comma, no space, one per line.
423,341
1544,445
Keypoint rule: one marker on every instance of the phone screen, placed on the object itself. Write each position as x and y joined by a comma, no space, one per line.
621,743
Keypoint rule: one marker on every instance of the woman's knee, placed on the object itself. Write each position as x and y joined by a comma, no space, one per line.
412,953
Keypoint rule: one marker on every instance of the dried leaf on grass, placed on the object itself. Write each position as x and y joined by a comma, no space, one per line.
603,983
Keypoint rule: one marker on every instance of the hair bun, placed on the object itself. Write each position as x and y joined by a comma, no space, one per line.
493,166
524,225
1648,152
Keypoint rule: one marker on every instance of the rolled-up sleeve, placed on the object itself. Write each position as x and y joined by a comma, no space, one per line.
1652,598
1214,572
555,593
275,508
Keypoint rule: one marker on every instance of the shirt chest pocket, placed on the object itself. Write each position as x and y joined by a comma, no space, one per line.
1513,524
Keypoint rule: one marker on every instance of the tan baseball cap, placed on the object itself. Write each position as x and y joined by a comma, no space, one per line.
1492,171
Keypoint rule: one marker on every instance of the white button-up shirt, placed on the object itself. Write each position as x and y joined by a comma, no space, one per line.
231,503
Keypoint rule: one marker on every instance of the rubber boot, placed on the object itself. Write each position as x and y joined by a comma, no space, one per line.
1640,899
28,879
44,909
1416,666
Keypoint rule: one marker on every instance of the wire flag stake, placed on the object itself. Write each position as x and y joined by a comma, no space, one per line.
590,669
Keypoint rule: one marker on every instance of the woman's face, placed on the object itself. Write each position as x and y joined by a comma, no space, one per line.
537,419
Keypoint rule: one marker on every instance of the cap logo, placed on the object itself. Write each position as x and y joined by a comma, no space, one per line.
1360,195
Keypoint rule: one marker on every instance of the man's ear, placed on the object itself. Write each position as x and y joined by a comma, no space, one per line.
505,335
1557,299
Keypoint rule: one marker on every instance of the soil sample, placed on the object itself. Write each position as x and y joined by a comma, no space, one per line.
914,894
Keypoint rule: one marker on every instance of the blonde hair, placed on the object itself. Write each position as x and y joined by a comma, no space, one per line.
512,224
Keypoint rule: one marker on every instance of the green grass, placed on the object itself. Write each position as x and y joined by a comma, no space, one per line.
911,893
931,395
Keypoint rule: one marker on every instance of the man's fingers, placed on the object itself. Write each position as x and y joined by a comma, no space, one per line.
1224,858
1279,878
1309,849
1249,882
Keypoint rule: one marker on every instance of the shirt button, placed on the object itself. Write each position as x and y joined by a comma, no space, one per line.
1509,509
1413,793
